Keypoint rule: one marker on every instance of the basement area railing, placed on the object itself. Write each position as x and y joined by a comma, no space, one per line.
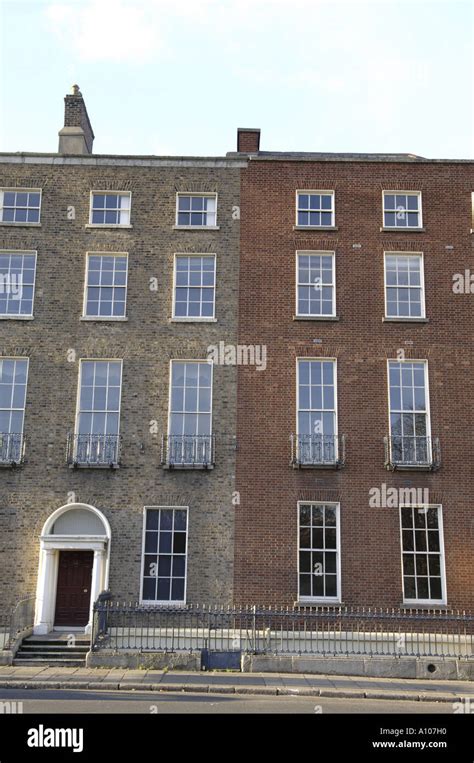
258,630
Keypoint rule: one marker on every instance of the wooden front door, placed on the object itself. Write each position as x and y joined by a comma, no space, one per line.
73,592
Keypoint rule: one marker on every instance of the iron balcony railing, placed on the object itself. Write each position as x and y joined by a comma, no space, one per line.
12,448
412,452
93,450
332,630
318,450
188,451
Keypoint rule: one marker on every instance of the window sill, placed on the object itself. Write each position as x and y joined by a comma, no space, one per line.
317,603
196,227
192,320
102,319
108,227
401,229
423,605
108,467
316,318
16,317
405,320
315,227
163,604
19,225
399,467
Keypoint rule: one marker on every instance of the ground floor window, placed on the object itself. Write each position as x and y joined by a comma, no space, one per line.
423,555
319,551
165,554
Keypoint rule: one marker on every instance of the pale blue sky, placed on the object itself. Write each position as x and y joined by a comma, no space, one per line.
174,77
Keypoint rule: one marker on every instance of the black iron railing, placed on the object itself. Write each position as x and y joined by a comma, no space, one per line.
188,451
21,618
318,450
93,449
12,448
412,452
322,631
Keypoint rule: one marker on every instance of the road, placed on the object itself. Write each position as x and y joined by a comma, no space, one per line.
78,701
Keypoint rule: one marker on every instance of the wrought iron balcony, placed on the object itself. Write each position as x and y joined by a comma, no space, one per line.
187,451
412,452
99,450
12,448
318,450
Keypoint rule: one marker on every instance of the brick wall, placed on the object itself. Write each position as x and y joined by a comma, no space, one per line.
266,520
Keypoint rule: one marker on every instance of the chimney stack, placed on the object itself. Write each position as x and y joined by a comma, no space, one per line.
76,137
248,140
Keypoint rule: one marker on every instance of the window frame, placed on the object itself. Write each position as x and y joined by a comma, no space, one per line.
85,316
403,227
22,316
326,192
160,602
109,192
322,599
422,286
426,602
427,411
321,253
336,417
170,390
79,388
6,189
27,359
193,318
191,194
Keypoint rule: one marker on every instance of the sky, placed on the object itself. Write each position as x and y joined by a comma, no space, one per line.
174,77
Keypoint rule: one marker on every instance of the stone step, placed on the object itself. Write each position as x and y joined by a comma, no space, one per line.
46,662
54,648
66,654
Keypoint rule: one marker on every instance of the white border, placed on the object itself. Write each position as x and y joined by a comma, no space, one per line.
428,407
431,602
321,252
323,599
4,189
86,275
201,194
22,316
192,318
403,227
159,602
333,211
110,193
422,284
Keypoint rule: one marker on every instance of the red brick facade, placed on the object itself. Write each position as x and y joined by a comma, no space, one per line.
266,518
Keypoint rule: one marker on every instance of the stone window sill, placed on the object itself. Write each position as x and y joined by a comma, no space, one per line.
316,318
401,229
16,317
407,607
315,227
109,227
317,603
20,225
103,319
405,320
196,227
192,320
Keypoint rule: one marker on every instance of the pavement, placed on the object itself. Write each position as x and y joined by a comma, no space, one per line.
229,682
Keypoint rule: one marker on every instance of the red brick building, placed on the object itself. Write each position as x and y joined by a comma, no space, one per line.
355,458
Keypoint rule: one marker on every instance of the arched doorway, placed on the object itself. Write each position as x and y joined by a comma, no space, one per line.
73,568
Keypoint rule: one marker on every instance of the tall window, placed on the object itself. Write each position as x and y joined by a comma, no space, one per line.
106,286
13,379
423,554
196,210
402,210
315,208
189,433
317,418
315,284
165,548
20,205
97,429
195,282
409,413
110,208
17,283
319,544
404,288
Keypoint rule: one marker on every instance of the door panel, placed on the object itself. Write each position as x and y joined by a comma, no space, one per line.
73,592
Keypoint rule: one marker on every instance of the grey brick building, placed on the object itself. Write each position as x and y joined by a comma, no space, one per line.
118,435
